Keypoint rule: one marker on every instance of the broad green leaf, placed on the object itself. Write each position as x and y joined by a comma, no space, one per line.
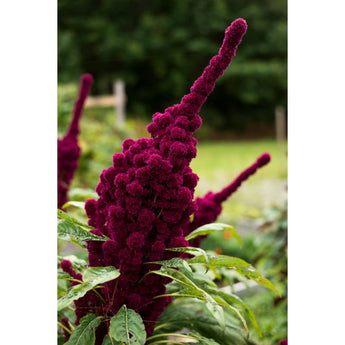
100,275
223,303
220,301
216,310
193,289
233,299
238,265
127,327
84,334
63,275
174,262
68,230
78,204
110,341
74,293
190,250
92,276
209,228
63,215
82,194
188,313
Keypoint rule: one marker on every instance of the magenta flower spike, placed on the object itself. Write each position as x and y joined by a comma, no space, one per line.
68,148
145,200
209,207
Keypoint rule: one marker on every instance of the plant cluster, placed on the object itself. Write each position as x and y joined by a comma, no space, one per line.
138,234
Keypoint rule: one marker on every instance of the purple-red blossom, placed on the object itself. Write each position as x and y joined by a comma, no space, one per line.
68,148
146,199
209,207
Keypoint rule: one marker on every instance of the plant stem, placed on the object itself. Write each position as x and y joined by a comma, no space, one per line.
65,328
172,335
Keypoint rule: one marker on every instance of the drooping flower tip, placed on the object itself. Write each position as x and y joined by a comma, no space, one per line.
86,79
240,24
235,31
264,159
85,85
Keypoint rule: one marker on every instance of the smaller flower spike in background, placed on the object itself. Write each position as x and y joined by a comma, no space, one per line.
68,148
209,207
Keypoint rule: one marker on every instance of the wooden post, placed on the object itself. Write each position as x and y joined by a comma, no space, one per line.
280,124
120,98
281,137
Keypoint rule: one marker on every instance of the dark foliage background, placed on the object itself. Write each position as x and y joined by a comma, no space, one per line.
160,47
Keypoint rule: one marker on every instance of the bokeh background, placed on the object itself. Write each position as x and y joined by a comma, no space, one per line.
158,48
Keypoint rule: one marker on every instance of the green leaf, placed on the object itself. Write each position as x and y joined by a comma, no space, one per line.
190,250
238,265
63,275
82,194
174,262
127,327
194,290
84,334
230,298
188,313
68,231
92,277
110,341
63,215
74,293
223,303
78,204
100,275
209,228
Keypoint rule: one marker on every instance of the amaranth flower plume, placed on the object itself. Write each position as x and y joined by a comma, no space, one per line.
146,198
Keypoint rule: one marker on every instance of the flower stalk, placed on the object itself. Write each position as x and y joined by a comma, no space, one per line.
68,148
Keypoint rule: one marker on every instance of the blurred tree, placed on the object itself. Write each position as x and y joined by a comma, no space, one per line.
160,47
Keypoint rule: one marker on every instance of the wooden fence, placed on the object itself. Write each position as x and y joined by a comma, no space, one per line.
117,100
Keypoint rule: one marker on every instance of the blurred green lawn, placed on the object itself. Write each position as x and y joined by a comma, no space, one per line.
218,163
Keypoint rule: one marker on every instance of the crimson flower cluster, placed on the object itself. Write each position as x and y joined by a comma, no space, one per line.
209,207
68,148
146,200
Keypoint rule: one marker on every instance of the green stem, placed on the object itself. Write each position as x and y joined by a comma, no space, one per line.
161,326
160,212
172,335
170,342
65,328
98,294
